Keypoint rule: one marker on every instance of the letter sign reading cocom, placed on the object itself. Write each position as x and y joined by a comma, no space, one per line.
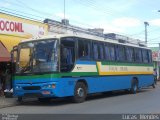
11,26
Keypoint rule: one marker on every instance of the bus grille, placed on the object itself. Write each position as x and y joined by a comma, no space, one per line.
32,95
32,88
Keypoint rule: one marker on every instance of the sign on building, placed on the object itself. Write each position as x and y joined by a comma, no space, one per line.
14,29
156,55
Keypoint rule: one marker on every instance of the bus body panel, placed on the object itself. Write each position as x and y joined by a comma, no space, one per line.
65,86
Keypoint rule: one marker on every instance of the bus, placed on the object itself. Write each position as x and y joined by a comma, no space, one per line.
78,65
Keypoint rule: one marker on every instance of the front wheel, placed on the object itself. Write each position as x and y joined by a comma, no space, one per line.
80,93
20,100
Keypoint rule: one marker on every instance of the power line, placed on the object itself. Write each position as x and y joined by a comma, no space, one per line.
107,10
155,38
43,13
16,12
86,3
18,15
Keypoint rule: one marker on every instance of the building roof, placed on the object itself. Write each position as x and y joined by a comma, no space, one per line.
4,54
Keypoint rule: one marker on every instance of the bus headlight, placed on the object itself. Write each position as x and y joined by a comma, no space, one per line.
18,87
49,86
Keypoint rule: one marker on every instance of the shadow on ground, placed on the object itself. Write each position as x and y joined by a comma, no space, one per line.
68,100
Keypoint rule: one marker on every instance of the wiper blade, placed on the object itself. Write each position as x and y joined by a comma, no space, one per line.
25,69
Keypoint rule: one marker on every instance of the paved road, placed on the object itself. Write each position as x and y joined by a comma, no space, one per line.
146,101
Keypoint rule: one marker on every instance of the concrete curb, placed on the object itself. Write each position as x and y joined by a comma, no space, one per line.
7,102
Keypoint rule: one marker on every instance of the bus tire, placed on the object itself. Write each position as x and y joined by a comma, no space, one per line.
20,100
134,86
80,93
154,85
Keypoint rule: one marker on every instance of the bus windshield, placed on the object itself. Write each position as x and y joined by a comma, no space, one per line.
37,57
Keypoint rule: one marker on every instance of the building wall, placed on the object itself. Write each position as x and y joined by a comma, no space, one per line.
14,29
156,59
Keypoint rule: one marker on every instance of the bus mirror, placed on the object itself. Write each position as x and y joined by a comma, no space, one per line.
31,45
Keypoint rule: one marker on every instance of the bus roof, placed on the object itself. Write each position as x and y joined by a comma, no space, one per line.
139,44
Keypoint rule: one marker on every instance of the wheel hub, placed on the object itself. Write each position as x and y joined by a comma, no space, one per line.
80,92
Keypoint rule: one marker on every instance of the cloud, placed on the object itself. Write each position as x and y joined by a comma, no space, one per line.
61,15
70,17
4,4
113,29
108,27
121,6
126,22
155,22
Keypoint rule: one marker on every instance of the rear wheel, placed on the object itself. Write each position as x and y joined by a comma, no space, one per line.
154,85
80,93
134,86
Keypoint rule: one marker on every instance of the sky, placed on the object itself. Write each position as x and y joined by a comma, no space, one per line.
125,17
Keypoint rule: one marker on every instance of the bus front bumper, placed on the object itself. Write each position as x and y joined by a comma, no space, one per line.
35,90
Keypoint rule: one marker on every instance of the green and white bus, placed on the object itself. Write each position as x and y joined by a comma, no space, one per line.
78,65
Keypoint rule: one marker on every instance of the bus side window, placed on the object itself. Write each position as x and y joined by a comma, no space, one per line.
129,54
95,51
138,55
149,56
120,53
145,56
67,54
112,52
101,51
84,49
107,52
98,51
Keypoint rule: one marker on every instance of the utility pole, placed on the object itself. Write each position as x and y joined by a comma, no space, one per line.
159,52
146,24
159,43
64,9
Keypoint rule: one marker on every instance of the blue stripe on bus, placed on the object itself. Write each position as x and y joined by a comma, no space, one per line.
86,62
65,86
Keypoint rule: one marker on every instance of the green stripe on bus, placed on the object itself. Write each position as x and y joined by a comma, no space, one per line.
125,64
57,75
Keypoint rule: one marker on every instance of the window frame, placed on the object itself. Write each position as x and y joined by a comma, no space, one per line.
84,41
118,49
133,57
140,51
99,45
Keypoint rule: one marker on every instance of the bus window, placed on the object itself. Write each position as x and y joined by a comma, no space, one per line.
67,54
112,52
101,51
107,52
149,56
25,56
95,51
84,49
129,54
120,53
145,56
138,55
98,51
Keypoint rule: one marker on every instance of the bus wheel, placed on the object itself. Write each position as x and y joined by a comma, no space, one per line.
80,93
20,100
154,85
134,87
